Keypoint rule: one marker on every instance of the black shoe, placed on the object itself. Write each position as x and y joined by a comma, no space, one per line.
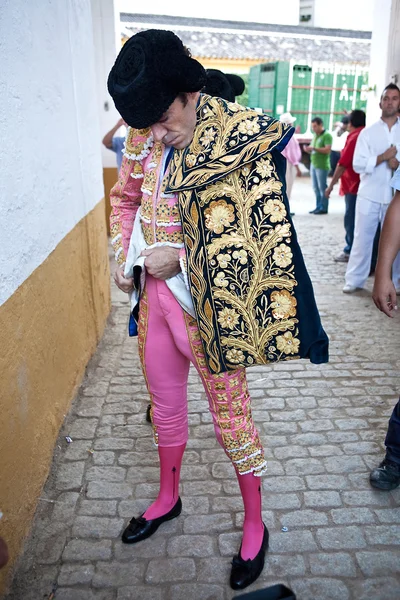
141,528
386,476
245,572
292,214
320,212
148,413
311,212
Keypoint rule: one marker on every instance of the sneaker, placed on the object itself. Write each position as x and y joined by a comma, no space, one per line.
342,257
386,476
350,289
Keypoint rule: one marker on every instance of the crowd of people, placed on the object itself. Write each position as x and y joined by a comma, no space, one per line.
189,167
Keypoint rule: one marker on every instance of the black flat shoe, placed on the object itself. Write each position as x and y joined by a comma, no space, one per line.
139,529
245,572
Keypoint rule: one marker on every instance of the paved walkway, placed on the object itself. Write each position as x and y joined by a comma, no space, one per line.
323,429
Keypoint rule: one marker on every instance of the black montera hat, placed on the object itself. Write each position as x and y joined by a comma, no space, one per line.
151,69
223,85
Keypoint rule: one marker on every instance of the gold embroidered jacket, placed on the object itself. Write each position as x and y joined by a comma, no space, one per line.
253,298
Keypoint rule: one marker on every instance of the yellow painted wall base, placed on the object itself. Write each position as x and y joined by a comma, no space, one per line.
110,177
49,329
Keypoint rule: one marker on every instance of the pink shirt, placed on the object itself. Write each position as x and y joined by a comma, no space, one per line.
292,152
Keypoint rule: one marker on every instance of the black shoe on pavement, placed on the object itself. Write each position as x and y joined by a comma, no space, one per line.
311,212
148,413
139,529
386,476
245,572
320,212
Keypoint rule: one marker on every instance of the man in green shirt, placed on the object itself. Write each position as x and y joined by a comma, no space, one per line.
320,149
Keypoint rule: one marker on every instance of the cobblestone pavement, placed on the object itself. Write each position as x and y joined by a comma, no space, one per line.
323,429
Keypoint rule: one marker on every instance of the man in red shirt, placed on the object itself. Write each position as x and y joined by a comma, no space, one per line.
349,180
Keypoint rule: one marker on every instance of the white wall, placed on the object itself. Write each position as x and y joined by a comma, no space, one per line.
107,43
269,11
51,174
344,14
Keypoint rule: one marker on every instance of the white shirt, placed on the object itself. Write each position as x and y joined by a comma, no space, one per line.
375,180
395,182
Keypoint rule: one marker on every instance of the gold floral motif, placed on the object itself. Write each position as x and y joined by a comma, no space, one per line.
149,180
287,343
282,255
220,280
228,318
276,210
219,215
241,255
208,136
249,127
283,304
264,168
235,356
190,160
223,260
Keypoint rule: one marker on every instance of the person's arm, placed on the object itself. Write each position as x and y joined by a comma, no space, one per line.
364,160
384,293
323,150
336,176
107,139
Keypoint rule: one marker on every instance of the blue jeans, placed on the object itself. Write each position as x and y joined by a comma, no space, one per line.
349,220
392,441
318,178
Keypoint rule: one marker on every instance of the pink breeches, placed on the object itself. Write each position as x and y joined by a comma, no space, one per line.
168,342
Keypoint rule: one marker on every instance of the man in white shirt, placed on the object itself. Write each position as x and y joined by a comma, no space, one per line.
376,157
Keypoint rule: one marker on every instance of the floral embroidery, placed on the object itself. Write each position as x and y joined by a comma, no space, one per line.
223,260
276,210
241,255
221,280
264,168
287,343
249,127
190,160
283,304
235,356
219,215
282,255
208,136
228,318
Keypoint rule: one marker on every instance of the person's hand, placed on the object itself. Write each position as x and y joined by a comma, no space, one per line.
162,262
393,163
124,284
389,153
384,295
298,171
308,149
328,191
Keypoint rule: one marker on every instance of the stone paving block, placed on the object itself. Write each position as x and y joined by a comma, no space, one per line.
365,498
291,451
382,563
191,545
113,444
99,388
197,591
213,570
384,535
280,565
170,570
303,402
348,516
102,508
229,543
214,523
304,466
111,474
332,564
140,592
64,507
338,538
97,527
142,475
83,428
75,574
339,437
361,448
89,407
291,541
103,458
316,425
308,439
78,450
377,589
282,501
70,475
107,490
201,472
320,589
82,550
113,420
115,574
155,546
322,499
288,483
343,464
64,593
280,428
388,515
303,518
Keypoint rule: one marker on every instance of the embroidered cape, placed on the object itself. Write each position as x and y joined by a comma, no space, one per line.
252,295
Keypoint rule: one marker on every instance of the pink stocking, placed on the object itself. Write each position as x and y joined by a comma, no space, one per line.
253,529
170,469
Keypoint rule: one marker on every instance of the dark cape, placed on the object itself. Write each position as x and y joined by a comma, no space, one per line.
253,298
